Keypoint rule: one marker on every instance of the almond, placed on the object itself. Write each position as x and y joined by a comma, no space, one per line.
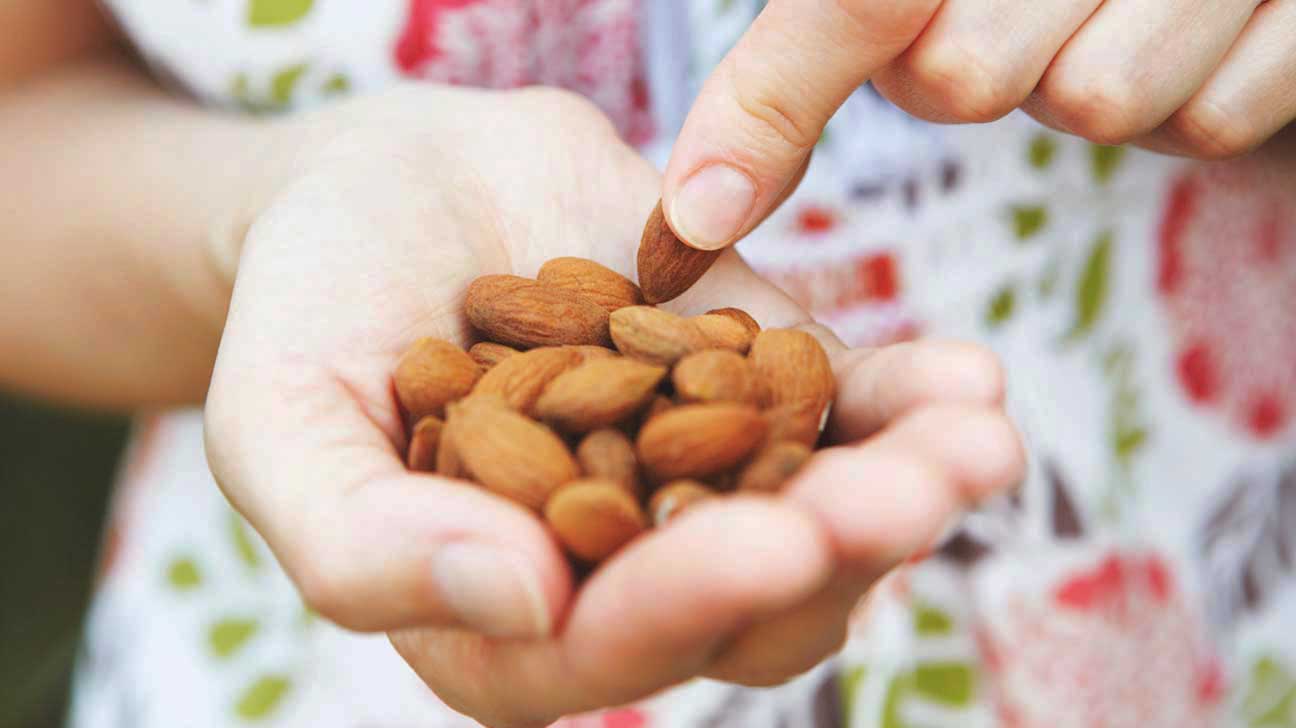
448,464
723,332
520,379
797,422
431,374
654,335
608,454
424,439
588,352
509,454
697,440
522,313
594,518
771,468
794,367
714,375
675,497
487,353
598,393
598,283
668,267
739,315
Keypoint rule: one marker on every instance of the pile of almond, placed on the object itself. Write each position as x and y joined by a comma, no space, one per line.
607,415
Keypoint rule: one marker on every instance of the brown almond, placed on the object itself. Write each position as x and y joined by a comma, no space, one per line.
668,267
594,518
424,440
772,466
431,374
598,393
588,352
609,454
739,315
796,422
723,332
509,454
487,353
714,375
794,367
520,379
597,282
654,335
448,464
697,440
522,313
676,497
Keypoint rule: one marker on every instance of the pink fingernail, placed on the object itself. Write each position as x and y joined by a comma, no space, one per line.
711,208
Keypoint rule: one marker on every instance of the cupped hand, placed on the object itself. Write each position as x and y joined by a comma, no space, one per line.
1189,77
396,204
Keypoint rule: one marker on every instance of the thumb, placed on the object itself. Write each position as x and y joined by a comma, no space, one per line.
764,107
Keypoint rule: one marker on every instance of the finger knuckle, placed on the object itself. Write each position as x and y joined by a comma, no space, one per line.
983,371
778,117
1106,110
1212,133
901,22
968,85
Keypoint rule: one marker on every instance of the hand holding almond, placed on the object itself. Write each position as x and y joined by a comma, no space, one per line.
401,202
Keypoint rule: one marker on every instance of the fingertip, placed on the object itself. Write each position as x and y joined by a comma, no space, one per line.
711,207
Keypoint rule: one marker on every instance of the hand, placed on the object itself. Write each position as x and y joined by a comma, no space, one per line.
1187,77
400,203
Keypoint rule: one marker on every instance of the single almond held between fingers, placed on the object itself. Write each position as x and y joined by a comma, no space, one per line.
655,335
697,440
668,267
593,518
739,315
424,441
507,453
598,283
715,375
676,497
794,367
520,379
487,353
523,313
431,374
609,455
772,466
598,393
723,332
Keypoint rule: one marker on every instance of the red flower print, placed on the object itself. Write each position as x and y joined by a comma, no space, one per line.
622,718
1226,274
590,47
815,220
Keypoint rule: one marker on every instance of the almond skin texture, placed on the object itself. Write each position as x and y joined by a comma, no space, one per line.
697,440
511,455
668,267
739,315
594,518
609,455
598,393
520,379
431,374
676,497
598,283
723,332
654,335
794,367
424,440
714,375
526,314
487,353
771,468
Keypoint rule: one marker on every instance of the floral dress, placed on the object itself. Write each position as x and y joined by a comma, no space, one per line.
1145,308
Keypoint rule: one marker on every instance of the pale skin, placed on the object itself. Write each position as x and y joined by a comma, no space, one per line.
143,235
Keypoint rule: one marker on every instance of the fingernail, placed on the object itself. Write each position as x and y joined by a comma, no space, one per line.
491,590
710,209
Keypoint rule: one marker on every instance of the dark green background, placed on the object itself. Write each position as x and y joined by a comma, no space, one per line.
56,468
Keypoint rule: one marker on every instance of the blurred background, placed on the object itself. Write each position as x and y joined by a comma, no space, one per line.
56,468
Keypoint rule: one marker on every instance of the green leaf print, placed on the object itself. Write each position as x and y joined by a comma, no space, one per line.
930,621
851,679
1002,306
1104,160
1128,441
1092,288
1042,151
1028,220
183,574
261,698
277,13
227,635
337,85
900,689
948,683
283,83
243,545
1270,700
